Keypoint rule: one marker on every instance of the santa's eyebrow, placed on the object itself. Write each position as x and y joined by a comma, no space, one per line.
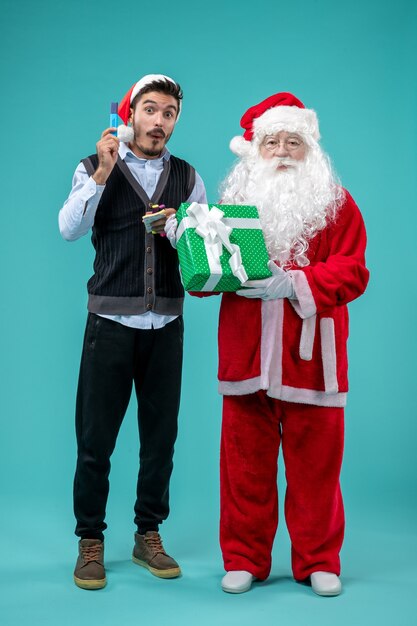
289,135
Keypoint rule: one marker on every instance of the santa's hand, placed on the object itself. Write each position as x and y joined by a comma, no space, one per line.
171,226
279,285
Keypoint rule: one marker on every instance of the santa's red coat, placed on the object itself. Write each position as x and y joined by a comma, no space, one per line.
296,349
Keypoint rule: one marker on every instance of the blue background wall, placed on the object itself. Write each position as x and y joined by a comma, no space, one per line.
61,65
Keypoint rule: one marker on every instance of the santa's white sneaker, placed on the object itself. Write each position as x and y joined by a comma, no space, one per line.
238,581
325,583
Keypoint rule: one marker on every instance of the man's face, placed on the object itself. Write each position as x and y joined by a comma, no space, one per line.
153,122
286,146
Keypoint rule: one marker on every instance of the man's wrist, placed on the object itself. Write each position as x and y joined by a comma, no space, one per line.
100,177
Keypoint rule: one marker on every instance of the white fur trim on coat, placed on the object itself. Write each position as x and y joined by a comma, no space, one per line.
328,354
303,304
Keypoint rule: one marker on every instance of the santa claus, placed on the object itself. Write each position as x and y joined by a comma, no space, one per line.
282,351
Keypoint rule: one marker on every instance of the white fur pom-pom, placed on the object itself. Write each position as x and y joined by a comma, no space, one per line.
125,133
240,146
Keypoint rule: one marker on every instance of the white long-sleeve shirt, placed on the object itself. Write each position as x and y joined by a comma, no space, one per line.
77,215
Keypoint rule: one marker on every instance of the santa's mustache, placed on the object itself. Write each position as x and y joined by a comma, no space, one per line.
285,161
270,166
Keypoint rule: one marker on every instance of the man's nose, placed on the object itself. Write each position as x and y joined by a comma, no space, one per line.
159,119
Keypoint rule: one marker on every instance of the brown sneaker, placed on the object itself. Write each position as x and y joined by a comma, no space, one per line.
149,552
89,570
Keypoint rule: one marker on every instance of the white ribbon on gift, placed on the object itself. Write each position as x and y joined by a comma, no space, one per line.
210,225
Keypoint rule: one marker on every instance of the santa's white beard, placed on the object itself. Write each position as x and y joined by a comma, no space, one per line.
293,204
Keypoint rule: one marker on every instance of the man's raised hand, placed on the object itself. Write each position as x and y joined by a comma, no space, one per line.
107,152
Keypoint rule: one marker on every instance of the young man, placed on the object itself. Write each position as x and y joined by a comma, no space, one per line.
134,332
282,351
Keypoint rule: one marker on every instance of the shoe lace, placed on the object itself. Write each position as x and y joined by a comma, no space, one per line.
91,553
154,542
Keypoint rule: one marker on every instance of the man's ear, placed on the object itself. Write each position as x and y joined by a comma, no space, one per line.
130,118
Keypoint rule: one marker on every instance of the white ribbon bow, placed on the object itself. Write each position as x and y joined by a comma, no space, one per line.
208,224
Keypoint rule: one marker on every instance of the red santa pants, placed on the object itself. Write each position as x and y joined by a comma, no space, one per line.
312,444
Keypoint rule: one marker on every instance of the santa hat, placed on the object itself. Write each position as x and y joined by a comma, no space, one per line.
124,106
282,111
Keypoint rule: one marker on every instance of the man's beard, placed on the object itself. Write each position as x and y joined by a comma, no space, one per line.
149,151
294,204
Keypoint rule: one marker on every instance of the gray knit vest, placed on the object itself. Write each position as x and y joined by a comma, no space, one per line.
136,272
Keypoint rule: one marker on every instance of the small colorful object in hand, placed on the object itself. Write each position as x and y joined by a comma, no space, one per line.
156,212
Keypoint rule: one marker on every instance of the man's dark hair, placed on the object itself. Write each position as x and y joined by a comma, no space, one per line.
163,86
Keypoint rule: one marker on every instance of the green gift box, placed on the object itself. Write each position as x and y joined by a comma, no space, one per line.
220,246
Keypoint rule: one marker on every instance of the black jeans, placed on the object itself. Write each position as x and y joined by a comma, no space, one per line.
114,357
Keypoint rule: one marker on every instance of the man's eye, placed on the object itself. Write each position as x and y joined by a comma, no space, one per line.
149,110
271,144
168,114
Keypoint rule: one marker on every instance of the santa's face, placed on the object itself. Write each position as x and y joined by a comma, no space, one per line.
286,146
153,121
290,180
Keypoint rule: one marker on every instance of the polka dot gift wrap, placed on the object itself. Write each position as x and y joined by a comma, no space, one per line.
203,241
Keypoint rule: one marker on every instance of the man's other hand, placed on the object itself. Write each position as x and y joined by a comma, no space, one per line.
159,226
